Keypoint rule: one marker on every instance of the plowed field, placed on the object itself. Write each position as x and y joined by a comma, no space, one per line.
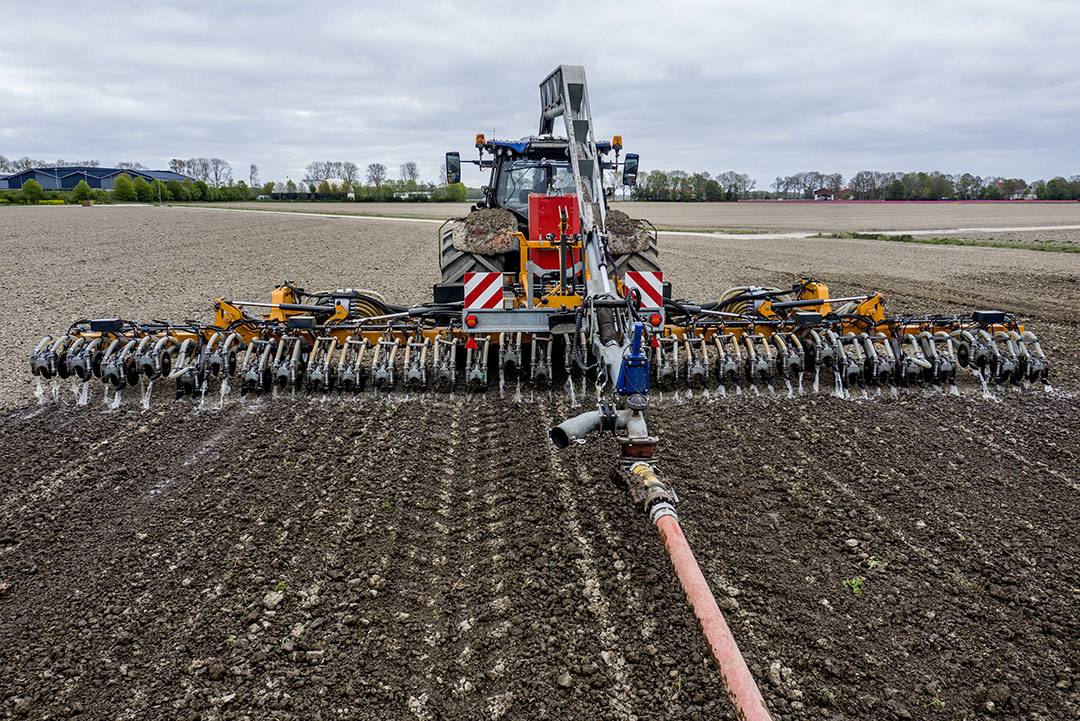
380,558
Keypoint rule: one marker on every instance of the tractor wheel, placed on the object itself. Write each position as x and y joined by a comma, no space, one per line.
645,260
455,263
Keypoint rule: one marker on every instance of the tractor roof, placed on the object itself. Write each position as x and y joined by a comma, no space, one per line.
534,144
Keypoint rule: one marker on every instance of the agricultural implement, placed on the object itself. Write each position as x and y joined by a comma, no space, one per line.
544,285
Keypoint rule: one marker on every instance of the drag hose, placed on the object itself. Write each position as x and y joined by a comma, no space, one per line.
741,688
740,685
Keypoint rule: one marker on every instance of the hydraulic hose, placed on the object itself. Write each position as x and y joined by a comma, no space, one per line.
741,298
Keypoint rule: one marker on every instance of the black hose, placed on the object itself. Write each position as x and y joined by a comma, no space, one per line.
605,320
633,300
575,349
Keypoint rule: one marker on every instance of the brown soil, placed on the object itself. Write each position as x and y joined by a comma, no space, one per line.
440,560
628,235
486,231
866,217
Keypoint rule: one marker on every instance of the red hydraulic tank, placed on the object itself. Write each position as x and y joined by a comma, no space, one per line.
544,215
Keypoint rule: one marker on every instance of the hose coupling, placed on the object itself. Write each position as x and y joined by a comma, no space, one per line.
657,498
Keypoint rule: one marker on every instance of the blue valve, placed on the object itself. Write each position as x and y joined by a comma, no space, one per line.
634,372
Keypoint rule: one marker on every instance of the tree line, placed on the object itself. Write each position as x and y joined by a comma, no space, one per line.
212,179
26,162
137,188
341,180
678,185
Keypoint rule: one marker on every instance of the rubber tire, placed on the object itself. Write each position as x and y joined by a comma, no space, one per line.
646,260
454,263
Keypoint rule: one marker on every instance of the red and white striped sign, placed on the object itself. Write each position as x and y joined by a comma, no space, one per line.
649,284
483,290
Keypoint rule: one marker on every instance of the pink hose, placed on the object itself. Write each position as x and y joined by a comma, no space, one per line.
740,685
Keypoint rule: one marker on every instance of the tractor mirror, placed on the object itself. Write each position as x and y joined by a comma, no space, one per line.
453,168
630,169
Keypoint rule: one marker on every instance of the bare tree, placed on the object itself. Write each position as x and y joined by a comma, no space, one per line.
253,175
127,165
736,185
744,184
220,172
25,163
5,165
863,184
318,170
409,171
198,169
350,172
61,163
376,174
177,166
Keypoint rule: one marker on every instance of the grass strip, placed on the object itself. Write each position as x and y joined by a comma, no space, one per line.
714,231
1045,246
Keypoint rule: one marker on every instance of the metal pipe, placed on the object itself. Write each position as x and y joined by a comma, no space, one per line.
741,688
811,302
724,314
576,428
1029,337
302,307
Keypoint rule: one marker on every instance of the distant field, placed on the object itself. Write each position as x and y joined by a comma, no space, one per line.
765,217
866,217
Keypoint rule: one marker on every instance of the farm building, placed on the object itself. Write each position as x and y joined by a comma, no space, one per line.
830,194
66,178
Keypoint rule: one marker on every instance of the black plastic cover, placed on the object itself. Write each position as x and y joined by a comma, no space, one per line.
449,292
302,322
562,322
106,325
805,317
666,290
988,317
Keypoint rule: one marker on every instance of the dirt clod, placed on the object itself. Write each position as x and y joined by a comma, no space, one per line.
627,235
486,231
999,693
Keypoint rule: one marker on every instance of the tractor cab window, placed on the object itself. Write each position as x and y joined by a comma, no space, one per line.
520,178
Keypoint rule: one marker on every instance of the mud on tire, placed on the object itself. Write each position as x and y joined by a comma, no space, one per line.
454,263
646,260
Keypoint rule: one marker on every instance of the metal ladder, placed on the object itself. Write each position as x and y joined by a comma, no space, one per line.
565,93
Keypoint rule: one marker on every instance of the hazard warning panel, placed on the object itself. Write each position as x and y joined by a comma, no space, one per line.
483,290
649,284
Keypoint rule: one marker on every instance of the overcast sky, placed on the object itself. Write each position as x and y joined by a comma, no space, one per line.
767,88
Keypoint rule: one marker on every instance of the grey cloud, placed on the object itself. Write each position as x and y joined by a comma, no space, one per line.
764,88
